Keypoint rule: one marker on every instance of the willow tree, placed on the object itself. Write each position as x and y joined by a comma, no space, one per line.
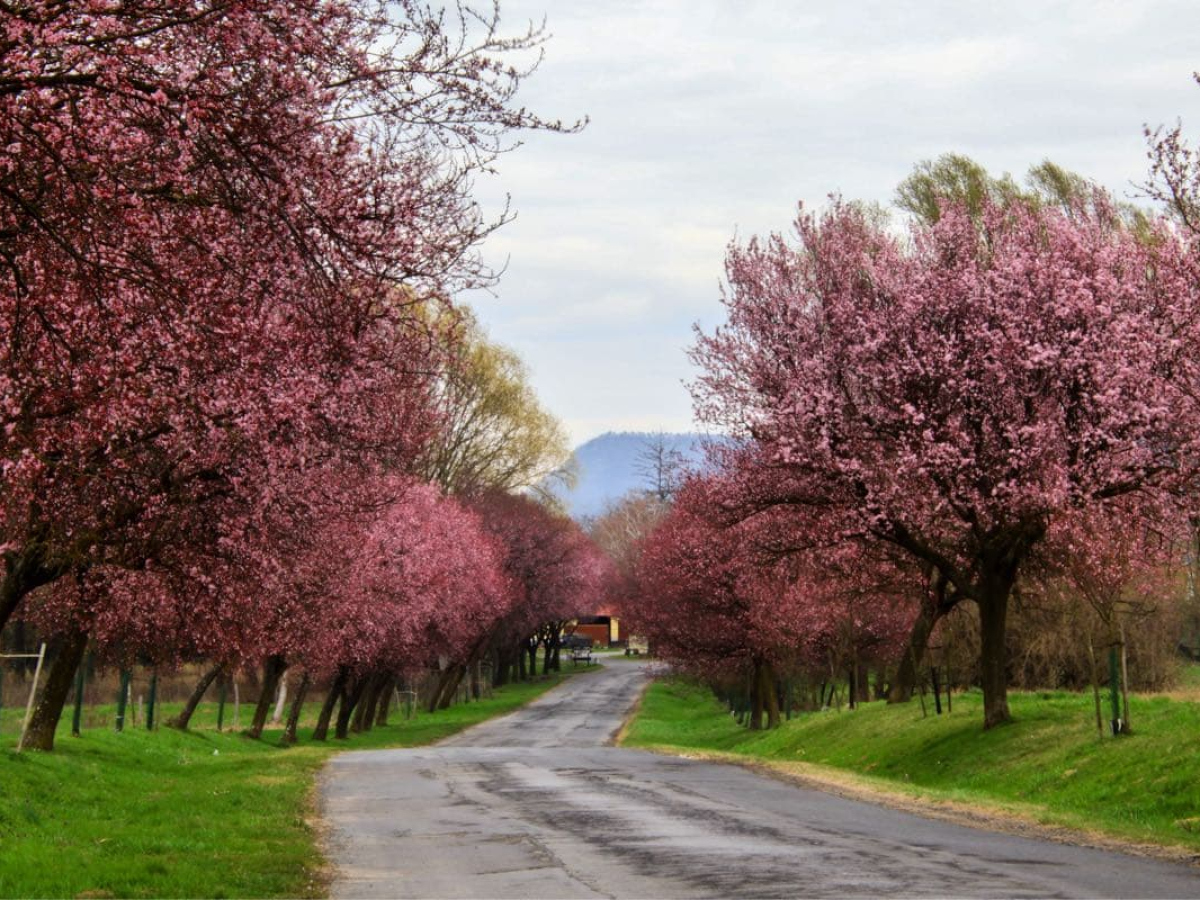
496,434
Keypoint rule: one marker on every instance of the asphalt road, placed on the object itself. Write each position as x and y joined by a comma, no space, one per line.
537,805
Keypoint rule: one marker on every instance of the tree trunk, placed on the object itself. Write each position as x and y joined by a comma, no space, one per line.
321,732
371,704
185,716
451,686
293,719
350,698
476,679
439,687
25,572
766,682
273,670
40,735
907,672
280,700
358,720
756,697
993,657
385,700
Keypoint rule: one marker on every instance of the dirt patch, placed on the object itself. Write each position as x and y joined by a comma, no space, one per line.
321,871
980,816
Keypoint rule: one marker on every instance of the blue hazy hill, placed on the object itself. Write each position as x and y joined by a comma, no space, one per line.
615,463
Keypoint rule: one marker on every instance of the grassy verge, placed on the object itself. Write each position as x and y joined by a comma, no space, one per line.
197,814
1049,766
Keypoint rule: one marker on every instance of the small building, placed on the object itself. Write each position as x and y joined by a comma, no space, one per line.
603,630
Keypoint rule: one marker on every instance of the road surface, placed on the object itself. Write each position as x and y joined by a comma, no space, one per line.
536,804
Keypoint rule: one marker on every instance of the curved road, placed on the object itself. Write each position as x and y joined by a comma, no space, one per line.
536,804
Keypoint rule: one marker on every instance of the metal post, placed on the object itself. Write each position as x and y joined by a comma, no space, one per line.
221,687
150,705
80,677
37,674
122,699
1114,686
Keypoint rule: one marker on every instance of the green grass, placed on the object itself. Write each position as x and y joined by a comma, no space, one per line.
196,814
1189,677
1049,763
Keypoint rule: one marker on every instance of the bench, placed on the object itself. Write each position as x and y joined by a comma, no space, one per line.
581,653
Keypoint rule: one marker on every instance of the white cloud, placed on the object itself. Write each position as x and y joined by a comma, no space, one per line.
711,119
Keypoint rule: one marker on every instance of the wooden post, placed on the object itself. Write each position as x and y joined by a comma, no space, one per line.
1124,679
920,680
80,678
152,701
1114,687
37,674
122,700
1094,672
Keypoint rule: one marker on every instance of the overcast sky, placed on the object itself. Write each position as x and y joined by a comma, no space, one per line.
711,120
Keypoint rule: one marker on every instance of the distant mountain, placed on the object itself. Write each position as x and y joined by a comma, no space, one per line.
613,464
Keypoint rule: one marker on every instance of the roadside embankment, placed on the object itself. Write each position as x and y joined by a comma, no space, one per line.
1048,772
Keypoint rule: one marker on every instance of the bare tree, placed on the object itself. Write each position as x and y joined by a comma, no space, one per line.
661,466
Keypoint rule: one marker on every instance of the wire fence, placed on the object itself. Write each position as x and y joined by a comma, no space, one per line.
141,697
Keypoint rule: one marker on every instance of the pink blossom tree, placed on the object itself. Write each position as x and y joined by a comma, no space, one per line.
554,571
214,224
719,589
954,391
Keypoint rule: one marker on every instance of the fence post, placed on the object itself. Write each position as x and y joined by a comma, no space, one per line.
150,705
80,676
1114,686
122,699
221,686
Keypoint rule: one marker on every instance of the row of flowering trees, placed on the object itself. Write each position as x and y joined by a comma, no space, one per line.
223,225
1002,395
